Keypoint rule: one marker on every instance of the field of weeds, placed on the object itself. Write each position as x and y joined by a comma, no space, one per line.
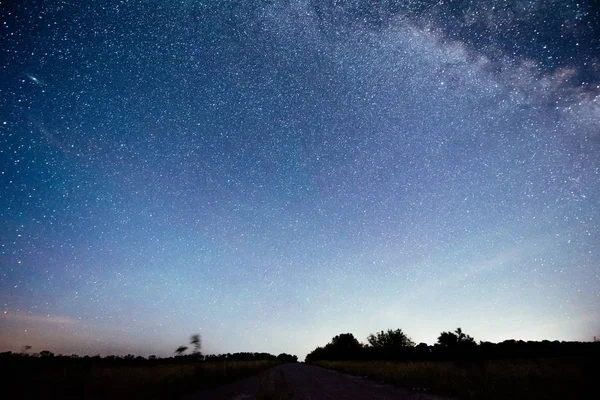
155,381
495,379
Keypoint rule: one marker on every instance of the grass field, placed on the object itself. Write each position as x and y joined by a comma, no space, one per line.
158,381
497,379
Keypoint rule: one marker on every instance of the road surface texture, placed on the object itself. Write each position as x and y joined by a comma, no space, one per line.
307,382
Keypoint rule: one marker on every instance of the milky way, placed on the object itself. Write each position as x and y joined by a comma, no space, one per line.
271,174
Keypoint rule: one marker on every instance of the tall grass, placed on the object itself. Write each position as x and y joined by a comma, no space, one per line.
497,379
156,381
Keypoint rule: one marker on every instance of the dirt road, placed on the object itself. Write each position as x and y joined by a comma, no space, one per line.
307,382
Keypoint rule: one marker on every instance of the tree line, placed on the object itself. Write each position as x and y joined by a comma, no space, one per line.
395,345
196,345
180,356
46,356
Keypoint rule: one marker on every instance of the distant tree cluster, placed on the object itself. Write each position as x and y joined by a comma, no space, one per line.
456,345
196,343
388,345
287,358
46,356
252,357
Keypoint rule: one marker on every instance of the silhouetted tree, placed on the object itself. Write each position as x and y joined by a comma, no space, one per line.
455,345
456,338
344,347
316,354
422,351
390,339
180,350
46,353
287,358
390,345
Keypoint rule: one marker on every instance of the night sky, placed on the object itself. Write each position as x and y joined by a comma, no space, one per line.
273,173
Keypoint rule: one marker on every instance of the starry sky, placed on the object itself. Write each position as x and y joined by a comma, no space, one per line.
273,173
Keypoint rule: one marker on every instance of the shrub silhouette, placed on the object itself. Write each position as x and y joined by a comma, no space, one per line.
287,358
454,339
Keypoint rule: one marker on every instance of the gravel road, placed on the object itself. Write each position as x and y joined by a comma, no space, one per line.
307,382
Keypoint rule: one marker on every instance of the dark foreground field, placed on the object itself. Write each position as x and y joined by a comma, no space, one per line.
544,378
51,379
269,380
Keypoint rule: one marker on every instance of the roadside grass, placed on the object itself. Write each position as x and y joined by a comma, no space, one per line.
156,381
546,379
